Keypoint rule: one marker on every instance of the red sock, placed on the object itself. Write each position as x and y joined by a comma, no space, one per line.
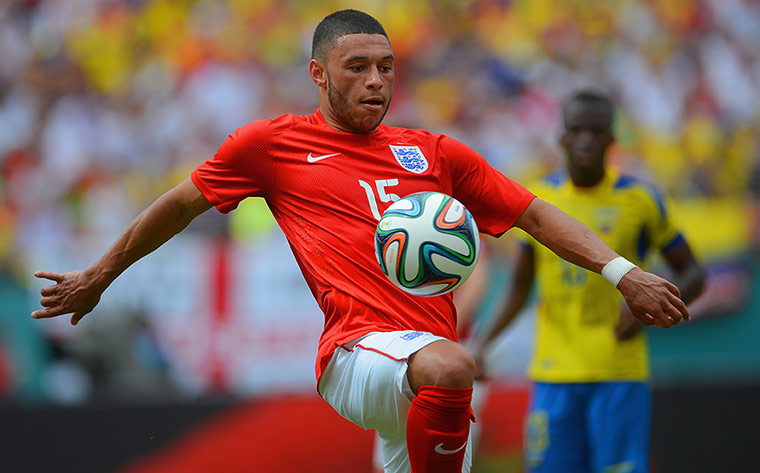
437,429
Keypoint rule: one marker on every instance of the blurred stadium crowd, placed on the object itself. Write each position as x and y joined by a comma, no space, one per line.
104,104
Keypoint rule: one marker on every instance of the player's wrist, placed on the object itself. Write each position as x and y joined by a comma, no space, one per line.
616,268
99,277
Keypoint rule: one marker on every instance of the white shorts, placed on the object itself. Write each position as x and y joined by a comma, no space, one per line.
367,385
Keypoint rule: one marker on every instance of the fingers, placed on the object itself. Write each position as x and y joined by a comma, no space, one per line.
672,288
52,304
666,317
667,309
674,309
659,318
680,306
47,291
56,311
678,309
69,295
663,322
643,317
676,313
57,277
48,313
49,295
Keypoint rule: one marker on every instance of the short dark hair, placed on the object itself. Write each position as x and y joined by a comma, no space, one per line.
590,97
341,23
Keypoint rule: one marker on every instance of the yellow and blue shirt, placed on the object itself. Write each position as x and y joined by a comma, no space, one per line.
579,309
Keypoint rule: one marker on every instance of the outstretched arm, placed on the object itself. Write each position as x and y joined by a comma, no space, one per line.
78,292
652,300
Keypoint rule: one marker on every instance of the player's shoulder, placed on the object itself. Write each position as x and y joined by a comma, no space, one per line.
624,180
629,182
289,121
554,179
641,187
549,182
267,128
412,134
285,120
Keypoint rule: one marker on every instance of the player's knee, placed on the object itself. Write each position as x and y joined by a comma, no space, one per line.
444,364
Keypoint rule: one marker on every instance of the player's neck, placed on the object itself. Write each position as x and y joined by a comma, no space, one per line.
333,121
587,178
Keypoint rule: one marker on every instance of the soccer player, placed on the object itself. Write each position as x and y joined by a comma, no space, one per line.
590,404
386,360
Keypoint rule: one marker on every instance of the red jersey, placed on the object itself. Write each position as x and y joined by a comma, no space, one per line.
327,190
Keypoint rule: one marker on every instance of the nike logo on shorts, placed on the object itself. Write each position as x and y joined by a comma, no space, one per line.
439,449
314,159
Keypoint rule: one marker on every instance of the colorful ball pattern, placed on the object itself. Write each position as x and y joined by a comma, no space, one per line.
427,243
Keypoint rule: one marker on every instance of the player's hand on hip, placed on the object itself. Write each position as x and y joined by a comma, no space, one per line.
652,299
72,293
628,325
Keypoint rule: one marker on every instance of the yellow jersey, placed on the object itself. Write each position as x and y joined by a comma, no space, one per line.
579,309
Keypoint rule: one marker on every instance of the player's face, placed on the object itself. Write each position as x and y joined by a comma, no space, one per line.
585,141
360,78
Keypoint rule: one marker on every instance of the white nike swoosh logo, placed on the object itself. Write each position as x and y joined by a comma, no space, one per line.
439,449
314,159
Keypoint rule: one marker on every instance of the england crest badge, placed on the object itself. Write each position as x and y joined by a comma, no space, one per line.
410,158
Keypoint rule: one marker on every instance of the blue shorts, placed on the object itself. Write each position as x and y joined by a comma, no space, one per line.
588,428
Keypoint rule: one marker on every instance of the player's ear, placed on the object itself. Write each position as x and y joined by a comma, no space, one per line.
609,139
318,73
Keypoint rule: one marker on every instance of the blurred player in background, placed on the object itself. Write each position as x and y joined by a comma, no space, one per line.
387,360
590,406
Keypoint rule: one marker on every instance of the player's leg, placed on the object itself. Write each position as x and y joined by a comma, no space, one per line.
479,397
619,427
368,385
438,426
361,385
555,429
395,455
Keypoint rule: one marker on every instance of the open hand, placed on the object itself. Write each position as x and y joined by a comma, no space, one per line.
652,299
73,293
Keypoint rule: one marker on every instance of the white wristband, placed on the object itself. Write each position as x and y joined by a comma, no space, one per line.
616,269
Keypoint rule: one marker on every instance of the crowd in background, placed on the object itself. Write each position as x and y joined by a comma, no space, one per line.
105,104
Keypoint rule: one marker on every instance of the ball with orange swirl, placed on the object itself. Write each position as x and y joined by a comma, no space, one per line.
427,243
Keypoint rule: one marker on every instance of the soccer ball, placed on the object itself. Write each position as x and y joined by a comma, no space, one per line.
427,243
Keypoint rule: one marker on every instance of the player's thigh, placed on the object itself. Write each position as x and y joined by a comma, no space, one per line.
368,385
555,429
619,427
360,385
